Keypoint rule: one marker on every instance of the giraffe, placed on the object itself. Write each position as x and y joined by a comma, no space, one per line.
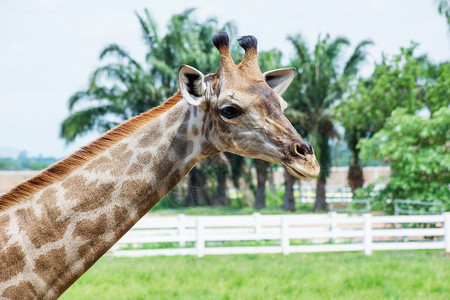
56,225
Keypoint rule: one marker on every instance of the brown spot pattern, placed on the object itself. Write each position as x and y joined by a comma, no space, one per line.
164,168
23,291
145,158
90,230
88,196
52,265
120,214
118,150
173,119
140,192
115,165
135,168
135,189
92,251
48,228
12,262
179,143
100,164
59,170
149,138
123,222
189,165
173,181
189,148
4,224
120,157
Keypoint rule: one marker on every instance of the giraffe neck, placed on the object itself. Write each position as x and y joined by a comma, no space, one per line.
50,240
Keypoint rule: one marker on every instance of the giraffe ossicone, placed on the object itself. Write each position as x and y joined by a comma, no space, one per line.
54,226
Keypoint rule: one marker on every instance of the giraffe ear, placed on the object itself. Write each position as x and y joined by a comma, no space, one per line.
192,85
280,79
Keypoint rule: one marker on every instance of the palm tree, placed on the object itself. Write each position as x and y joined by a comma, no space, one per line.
400,81
129,92
443,7
268,60
320,84
126,87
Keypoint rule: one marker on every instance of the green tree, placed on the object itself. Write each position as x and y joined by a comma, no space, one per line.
399,81
418,152
438,89
415,143
268,60
126,87
319,85
443,7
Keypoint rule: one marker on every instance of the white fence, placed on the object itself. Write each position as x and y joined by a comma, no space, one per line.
289,233
306,193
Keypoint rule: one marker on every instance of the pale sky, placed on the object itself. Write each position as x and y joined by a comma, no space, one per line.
48,48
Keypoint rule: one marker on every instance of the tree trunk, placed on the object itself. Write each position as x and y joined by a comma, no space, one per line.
220,197
261,175
222,168
288,198
321,200
355,173
355,177
196,191
237,166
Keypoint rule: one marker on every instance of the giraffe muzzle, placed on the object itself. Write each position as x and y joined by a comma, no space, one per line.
301,149
303,162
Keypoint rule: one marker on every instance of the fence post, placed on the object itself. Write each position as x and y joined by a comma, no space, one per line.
367,234
332,215
285,242
200,242
447,231
257,227
368,208
181,230
299,188
330,206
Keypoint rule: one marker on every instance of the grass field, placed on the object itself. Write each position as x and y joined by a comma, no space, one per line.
385,275
214,211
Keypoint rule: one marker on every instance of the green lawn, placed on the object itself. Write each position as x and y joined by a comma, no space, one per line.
213,211
385,275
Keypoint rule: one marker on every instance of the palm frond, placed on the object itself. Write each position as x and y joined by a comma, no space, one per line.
333,50
76,98
359,55
113,71
300,47
296,116
120,53
83,121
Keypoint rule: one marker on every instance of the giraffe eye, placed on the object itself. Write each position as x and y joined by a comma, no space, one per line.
230,112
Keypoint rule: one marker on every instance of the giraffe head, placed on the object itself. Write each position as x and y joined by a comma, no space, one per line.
243,109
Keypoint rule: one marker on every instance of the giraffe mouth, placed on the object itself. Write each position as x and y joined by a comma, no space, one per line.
294,172
307,169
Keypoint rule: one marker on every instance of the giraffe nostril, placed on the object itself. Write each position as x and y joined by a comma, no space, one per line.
296,150
301,149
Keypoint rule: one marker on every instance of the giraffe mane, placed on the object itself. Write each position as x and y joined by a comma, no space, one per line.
60,169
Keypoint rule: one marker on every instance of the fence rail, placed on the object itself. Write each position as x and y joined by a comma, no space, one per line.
290,233
334,206
424,207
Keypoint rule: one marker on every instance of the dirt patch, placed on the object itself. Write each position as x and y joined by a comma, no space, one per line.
9,179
